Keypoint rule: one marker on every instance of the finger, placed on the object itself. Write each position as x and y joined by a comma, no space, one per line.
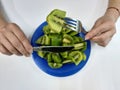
98,30
15,42
8,45
3,50
21,36
104,38
104,44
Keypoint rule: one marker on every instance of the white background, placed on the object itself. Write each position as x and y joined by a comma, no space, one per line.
102,71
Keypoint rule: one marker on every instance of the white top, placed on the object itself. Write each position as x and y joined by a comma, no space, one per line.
20,73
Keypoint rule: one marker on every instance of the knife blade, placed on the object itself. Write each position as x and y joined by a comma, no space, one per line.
53,48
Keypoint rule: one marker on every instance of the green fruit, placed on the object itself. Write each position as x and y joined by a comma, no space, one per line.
56,20
55,65
77,56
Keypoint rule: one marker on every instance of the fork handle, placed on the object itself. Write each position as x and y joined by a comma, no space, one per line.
84,31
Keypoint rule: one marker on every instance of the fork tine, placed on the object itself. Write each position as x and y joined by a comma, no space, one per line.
69,19
71,27
75,25
71,23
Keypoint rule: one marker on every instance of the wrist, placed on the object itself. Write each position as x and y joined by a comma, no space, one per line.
112,12
3,22
114,8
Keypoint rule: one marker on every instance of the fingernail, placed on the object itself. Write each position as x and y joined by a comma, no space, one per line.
87,38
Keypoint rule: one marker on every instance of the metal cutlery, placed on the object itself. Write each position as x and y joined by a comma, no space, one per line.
74,24
53,48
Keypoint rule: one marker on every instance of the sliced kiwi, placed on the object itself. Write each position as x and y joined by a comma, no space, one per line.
77,55
56,20
46,29
55,65
59,13
67,39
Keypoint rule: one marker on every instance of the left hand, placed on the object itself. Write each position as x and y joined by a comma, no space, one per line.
103,30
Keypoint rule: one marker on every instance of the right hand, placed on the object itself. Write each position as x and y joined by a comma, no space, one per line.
104,28
14,41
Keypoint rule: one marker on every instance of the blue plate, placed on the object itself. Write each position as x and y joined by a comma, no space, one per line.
65,70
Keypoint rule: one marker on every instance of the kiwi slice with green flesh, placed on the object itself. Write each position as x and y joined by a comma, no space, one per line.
55,65
56,20
46,29
59,13
77,55
67,39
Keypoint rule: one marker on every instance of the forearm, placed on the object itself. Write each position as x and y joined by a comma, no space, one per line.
113,9
114,3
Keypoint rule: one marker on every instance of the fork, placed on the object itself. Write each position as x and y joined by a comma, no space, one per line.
74,24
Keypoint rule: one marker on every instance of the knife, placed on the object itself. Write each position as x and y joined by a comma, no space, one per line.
53,48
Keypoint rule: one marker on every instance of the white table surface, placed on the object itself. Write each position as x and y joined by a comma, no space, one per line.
102,71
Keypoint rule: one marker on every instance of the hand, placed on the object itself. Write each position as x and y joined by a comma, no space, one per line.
103,30
13,41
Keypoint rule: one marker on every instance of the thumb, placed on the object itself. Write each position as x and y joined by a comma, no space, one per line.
93,32
96,30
